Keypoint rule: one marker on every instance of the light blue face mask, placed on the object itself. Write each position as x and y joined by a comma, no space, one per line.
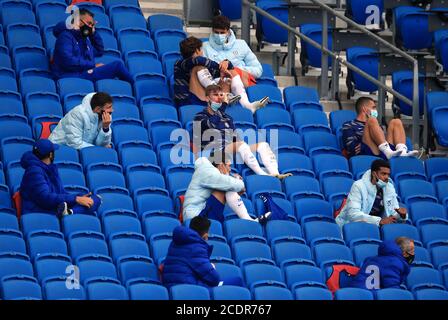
220,38
374,113
381,184
215,105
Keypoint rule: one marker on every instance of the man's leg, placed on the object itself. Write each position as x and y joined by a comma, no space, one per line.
239,89
397,136
268,158
374,138
115,69
246,154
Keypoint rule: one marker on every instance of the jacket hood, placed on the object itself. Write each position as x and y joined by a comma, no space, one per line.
366,179
390,248
202,161
29,159
86,100
225,46
61,27
184,235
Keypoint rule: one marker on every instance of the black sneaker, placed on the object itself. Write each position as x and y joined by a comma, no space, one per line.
263,219
63,209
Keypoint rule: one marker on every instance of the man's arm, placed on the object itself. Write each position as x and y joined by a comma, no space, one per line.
104,137
73,129
350,140
97,43
252,65
64,49
215,180
354,213
205,270
212,66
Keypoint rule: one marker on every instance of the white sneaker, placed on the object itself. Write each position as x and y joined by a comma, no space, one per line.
233,99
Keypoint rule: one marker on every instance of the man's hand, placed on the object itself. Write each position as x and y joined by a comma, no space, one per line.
358,148
237,176
109,146
242,191
107,120
99,65
224,66
402,212
84,201
388,220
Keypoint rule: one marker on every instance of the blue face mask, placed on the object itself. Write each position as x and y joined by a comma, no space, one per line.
215,105
381,184
220,38
374,113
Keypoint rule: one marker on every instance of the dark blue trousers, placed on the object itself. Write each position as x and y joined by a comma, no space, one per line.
115,69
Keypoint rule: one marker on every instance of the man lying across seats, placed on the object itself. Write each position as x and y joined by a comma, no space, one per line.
76,48
87,124
223,45
41,189
373,199
214,122
364,135
188,258
193,73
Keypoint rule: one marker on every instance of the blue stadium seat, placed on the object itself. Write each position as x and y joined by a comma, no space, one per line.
393,294
147,291
227,270
336,188
326,254
147,201
339,117
92,7
126,130
41,123
10,102
132,268
114,86
230,293
46,241
12,263
80,222
439,116
30,58
20,287
433,232
178,182
431,294
326,165
66,153
320,142
154,112
392,231
291,249
260,91
271,32
109,55
412,27
360,164
188,112
158,224
239,227
140,62
267,77
272,293
49,38
353,294
367,60
55,288
136,152
359,10
72,100
360,230
407,168
8,81
151,87
71,173
5,60
168,61
312,293
11,241
279,229
159,246
220,248
128,243
164,21
167,40
105,174
442,191
120,221
436,169
105,289
5,197
138,176
96,154
310,207
262,273
256,184
246,248
23,34
16,12
39,103
14,147
414,189
38,221
402,81
161,132
424,278
87,242
132,39
306,120
126,16
189,292
8,219
14,125
424,211
365,250
125,107
267,118
93,266
312,56
293,160
439,256
285,139
74,85
51,265
14,174
422,256
321,230
299,275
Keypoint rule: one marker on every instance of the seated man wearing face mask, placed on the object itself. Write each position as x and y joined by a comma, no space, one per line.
76,48
373,199
41,189
364,135
223,45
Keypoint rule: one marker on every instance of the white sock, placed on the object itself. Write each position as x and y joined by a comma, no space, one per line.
238,89
405,152
385,148
250,160
205,78
235,203
268,158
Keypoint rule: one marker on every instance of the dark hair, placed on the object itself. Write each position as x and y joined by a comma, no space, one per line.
189,46
39,155
361,102
404,243
221,22
99,99
83,12
211,88
379,163
200,224
219,156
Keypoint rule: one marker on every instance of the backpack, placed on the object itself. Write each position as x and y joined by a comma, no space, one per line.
277,213
339,275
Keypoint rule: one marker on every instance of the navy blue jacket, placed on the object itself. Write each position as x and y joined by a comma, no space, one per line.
392,266
74,54
41,188
188,260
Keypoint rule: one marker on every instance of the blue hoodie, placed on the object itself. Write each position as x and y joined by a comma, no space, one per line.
41,188
188,260
74,54
393,267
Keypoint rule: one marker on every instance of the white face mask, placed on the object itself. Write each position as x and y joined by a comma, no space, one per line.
374,113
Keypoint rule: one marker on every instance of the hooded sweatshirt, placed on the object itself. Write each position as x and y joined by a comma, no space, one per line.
41,188
188,260
74,54
236,51
391,265
81,128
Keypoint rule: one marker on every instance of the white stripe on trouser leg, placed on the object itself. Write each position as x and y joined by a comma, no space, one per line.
205,78
235,203
250,160
268,158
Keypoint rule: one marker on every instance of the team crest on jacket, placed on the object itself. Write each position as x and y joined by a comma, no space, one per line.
236,52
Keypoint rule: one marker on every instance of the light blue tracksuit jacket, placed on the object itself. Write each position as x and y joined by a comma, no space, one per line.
236,51
206,179
360,202
81,128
